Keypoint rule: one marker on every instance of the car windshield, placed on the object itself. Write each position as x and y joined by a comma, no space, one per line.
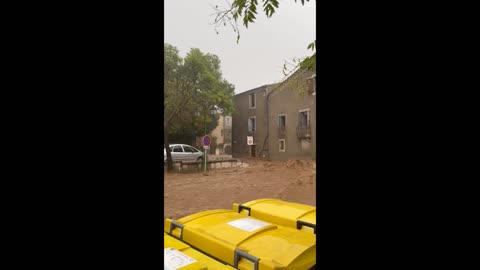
186,149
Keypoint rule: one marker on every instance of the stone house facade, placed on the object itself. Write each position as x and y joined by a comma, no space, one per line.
281,118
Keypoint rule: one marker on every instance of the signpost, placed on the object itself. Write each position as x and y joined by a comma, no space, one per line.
249,140
206,145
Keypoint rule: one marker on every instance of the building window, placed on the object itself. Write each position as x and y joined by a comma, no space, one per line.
251,124
282,121
252,100
312,84
303,128
227,122
304,118
281,145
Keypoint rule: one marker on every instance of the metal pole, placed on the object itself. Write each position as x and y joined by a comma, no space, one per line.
205,160
205,149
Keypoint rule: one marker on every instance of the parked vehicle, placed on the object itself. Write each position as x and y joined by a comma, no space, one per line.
183,152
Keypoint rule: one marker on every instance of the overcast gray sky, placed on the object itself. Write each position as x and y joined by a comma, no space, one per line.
259,56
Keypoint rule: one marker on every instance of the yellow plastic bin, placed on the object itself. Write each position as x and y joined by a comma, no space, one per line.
244,242
293,215
178,255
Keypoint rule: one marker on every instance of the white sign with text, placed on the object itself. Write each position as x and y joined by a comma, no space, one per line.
249,140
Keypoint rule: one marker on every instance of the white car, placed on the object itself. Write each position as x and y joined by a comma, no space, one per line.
183,152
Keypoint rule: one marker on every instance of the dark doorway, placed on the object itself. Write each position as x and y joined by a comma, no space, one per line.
228,150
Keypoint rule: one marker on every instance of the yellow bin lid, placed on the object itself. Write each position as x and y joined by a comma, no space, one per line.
293,215
178,255
245,242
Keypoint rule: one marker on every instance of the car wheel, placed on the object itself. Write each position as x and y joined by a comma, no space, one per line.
200,159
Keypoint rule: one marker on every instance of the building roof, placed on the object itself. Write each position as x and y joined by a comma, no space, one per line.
278,86
274,86
258,89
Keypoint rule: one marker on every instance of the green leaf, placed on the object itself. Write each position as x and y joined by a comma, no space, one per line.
269,10
275,3
253,8
245,21
311,46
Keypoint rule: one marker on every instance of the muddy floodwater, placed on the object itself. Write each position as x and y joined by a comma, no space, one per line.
293,181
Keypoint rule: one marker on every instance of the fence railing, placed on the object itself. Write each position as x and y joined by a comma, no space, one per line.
303,132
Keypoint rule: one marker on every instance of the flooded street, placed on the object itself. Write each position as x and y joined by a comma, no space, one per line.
292,181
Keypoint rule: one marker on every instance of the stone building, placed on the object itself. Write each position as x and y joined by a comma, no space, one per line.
281,118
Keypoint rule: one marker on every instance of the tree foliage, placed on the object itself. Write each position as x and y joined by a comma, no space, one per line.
193,86
246,11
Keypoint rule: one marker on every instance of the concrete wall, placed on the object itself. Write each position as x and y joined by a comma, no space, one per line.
289,99
217,132
240,122
197,166
223,133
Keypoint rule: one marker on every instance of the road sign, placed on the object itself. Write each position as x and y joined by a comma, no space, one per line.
249,140
206,147
206,140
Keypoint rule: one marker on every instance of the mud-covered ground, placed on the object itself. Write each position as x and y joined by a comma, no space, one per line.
292,181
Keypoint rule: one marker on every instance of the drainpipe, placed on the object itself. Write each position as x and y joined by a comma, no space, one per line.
268,125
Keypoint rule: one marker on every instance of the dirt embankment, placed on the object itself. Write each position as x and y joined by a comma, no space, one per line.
293,181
